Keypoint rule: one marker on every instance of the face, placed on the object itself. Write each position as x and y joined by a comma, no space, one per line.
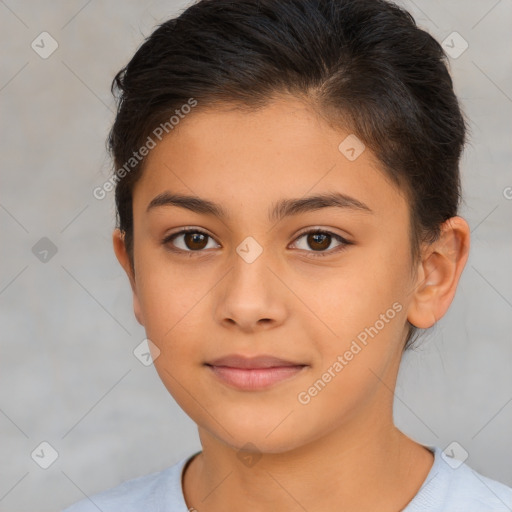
325,285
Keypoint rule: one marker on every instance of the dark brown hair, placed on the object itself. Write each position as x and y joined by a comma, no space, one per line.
361,61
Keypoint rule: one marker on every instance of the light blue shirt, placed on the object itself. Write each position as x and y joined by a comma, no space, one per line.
446,489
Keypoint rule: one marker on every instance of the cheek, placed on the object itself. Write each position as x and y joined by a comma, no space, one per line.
363,301
167,298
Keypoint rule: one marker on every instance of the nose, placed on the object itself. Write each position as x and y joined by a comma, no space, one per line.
251,297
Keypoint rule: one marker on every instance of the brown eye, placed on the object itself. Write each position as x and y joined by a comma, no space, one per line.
317,241
195,241
187,240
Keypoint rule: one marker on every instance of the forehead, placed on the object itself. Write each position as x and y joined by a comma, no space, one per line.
285,149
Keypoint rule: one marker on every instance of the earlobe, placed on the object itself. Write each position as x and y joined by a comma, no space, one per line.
124,260
439,273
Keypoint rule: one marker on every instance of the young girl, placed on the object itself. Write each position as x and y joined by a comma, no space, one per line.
287,185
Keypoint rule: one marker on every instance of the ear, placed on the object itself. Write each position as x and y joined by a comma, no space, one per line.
124,260
438,273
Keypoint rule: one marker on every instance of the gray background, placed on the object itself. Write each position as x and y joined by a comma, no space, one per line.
68,374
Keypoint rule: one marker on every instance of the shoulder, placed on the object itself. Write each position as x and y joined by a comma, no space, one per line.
151,492
453,486
470,490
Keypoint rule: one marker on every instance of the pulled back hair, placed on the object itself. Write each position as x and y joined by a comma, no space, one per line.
364,65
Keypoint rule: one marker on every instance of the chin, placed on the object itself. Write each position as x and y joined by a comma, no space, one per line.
259,437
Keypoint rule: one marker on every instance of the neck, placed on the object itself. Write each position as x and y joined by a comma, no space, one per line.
359,467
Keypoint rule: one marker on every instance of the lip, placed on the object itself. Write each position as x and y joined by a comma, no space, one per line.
256,378
254,362
254,373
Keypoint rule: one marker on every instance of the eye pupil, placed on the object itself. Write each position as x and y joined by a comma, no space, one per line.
195,238
315,238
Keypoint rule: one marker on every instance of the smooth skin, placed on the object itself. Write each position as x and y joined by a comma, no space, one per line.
340,451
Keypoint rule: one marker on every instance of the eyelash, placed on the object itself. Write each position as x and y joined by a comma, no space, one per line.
315,254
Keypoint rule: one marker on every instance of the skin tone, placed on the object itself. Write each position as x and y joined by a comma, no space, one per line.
341,450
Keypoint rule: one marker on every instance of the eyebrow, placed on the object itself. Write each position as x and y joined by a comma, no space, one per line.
281,209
